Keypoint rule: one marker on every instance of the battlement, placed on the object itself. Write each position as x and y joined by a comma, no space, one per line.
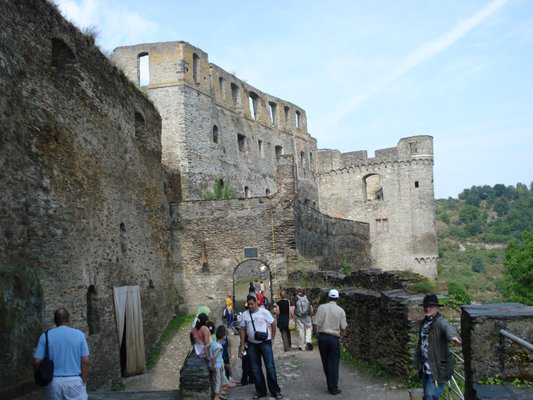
409,149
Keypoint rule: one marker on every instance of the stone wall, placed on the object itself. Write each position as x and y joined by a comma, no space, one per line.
393,193
489,354
83,206
331,240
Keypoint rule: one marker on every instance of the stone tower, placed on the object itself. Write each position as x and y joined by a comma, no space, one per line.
393,193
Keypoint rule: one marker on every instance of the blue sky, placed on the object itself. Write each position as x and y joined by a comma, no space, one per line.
367,72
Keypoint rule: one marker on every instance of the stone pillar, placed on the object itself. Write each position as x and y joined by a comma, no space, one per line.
194,379
489,354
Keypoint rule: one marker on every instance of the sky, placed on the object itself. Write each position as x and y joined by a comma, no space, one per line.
367,72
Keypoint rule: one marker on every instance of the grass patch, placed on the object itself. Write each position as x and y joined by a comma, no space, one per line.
362,365
173,326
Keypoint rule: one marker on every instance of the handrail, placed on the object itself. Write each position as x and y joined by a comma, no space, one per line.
516,339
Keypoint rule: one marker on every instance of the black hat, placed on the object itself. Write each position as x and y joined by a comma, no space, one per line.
430,300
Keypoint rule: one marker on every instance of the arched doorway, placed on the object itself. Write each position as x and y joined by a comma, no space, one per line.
251,272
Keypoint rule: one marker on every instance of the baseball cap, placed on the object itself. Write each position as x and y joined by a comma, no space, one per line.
333,294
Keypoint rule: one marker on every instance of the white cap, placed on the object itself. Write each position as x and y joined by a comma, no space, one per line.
333,294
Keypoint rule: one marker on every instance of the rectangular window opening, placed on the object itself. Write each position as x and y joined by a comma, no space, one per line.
272,109
143,69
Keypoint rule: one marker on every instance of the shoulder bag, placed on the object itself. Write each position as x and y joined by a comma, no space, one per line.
45,372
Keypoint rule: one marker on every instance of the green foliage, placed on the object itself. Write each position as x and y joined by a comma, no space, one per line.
473,232
518,270
346,267
522,383
220,192
458,295
172,327
422,287
362,365
491,380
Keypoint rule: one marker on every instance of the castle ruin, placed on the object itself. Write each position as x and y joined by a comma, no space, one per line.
103,181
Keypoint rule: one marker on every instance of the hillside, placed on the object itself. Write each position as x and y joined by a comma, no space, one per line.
473,232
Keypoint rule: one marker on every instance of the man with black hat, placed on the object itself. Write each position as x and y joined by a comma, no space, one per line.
433,359
330,324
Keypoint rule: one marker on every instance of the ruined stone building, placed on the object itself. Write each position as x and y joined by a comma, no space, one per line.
104,178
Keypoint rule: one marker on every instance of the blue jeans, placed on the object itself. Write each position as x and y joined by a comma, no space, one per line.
263,350
229,320
431,391
330,353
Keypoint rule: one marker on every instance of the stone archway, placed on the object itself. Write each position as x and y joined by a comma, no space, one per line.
251,271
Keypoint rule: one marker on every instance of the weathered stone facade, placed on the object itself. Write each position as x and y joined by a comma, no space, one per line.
83,206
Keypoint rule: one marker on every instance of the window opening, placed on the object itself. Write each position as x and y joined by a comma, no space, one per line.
310,159
260,148
234,94
298,116
195,64
373,187
413,148
416,184
143,69
302,159
246,192
140,127
272,108
62,55
222,87
252,97
382,225
93,317
279,151
287,110
215,134
241,142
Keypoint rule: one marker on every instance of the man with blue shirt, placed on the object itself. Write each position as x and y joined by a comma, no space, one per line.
69,351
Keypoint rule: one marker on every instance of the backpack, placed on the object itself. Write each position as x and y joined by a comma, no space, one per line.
303,308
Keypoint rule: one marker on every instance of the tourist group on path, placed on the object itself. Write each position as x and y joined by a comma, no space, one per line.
61,358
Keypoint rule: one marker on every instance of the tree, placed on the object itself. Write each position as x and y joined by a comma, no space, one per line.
518,270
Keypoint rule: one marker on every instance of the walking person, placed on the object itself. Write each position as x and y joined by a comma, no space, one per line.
259,328
67,348
330,324
303,311
433,359
284,306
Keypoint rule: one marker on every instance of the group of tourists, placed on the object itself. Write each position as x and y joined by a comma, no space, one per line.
68,351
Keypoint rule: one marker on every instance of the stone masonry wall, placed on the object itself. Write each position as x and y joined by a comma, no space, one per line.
393,193
486,352
211,130
83,207
331,240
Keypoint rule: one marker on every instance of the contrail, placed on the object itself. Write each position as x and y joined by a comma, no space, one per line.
421,54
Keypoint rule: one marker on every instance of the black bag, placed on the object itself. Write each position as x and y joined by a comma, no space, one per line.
259,336
45,372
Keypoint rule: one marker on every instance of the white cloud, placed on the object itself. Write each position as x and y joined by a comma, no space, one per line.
421,54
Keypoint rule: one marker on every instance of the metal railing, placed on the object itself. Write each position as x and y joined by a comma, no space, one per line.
516,339
454,388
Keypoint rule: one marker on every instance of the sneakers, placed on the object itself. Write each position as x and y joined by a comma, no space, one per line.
309,346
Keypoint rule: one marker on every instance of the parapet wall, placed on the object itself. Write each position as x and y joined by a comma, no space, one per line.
83,207
489,354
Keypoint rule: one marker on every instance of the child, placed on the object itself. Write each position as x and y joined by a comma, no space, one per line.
217,363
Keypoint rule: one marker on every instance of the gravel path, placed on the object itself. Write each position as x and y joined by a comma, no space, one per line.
299,373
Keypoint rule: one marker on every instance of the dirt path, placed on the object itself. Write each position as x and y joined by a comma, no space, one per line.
299,373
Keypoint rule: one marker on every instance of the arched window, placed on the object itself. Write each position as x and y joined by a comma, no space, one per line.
373,187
